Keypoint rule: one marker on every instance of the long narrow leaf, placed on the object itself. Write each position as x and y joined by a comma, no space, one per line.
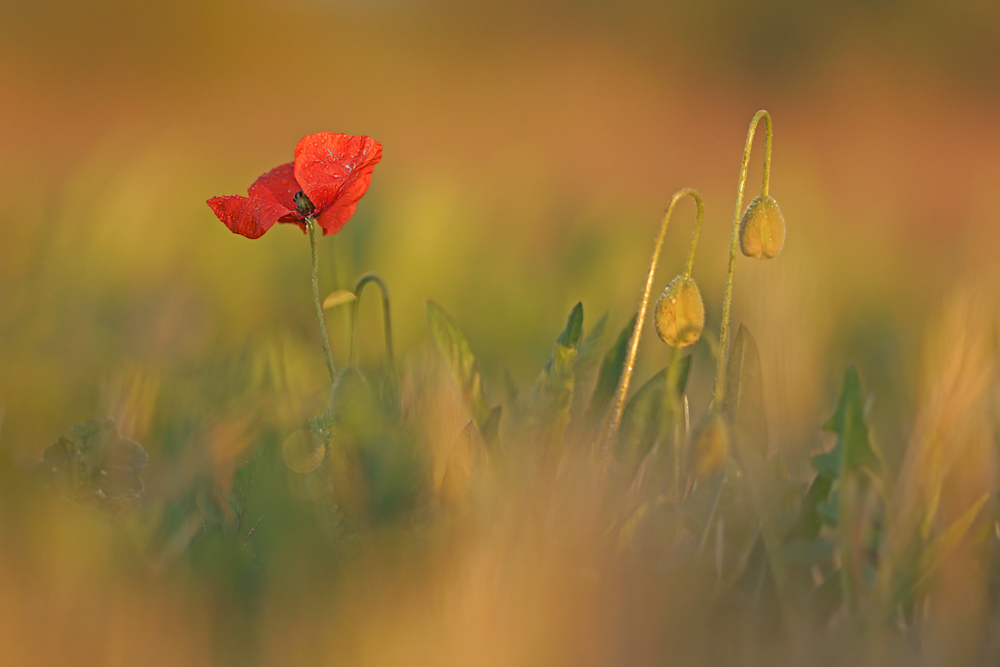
454,347
743,404
608,377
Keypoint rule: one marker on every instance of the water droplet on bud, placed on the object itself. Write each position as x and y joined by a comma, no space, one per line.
762,229
679,315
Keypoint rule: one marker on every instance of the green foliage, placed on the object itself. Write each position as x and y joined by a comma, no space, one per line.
743,402
609,377
651,414
457,353
552,394
94,465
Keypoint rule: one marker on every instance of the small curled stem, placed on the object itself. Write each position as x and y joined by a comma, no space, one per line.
386,319
311,228
644,304
720,373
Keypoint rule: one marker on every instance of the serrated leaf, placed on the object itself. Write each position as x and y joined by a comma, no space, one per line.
338,298
454,347
593,337
609,376
743,402
810,519
552,394
647,416
857,462
827,464
848,422
573,333
828,510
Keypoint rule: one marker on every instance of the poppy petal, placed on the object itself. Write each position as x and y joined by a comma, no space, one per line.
278,186
334,171
246,216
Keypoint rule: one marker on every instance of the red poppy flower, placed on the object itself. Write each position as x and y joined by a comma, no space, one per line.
330,174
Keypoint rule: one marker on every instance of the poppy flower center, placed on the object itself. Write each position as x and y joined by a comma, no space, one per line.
303,205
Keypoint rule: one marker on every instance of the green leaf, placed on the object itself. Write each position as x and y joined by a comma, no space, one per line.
811,519
573,333
609,377
827,464
828,510
552,394
945,543
743,404
593,337
648,417
454,347
848,422
857,463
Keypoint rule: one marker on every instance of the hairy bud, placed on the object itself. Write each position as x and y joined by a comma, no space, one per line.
680,313
762,229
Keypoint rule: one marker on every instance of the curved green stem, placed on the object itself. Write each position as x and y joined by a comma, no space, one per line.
720,373
311,228
386,318
644,304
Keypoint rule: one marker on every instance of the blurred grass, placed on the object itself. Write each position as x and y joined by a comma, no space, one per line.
529,151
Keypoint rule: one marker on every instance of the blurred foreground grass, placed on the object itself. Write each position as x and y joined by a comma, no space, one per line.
415,536
527,161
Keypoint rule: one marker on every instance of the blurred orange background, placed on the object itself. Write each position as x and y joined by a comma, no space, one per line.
529,151
530,148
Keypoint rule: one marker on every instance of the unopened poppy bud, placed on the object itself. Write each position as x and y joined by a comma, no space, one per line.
303,205
710,446
762,229
680,313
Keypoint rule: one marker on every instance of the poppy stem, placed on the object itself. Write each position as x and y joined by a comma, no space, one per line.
386,319
311,227
626,378
720,373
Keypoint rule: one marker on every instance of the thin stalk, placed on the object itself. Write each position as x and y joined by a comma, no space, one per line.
386,317
720,373
386,323
644,304
311,227
676,416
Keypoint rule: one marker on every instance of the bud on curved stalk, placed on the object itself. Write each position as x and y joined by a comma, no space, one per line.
759,232
626,377
680,313
710,444
762,229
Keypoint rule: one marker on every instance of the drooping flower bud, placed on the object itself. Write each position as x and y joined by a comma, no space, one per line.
680,313
762,229
709,445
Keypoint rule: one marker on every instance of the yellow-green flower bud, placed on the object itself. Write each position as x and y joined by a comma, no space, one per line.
680,313
762,229
710,446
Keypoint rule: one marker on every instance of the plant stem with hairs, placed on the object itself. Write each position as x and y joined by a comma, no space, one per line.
386,323
720,373
629,367
311,226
